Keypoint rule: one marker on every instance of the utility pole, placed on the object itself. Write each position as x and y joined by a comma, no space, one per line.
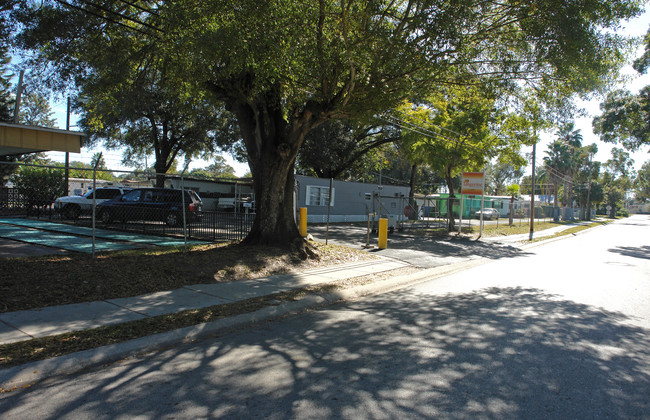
588,216
67,154
532,197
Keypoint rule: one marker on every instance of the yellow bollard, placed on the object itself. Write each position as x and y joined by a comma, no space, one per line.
303,221
383,234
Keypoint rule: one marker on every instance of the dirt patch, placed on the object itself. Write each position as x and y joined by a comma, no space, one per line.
28,283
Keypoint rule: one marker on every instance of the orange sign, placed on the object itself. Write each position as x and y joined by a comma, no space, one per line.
473,183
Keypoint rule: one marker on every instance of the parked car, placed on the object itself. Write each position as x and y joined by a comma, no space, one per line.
161,204
73,206
488,214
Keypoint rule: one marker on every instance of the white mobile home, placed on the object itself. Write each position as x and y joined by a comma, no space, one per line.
351,201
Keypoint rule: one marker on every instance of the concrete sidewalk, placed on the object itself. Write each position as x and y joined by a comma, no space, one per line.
54,320
42,325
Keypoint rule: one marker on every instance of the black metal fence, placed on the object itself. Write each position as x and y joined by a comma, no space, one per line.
209,226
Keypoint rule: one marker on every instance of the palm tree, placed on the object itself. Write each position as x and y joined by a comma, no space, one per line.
572,138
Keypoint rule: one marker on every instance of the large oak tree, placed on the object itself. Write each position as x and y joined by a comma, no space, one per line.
283,67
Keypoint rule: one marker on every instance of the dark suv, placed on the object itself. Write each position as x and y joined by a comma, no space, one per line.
152,204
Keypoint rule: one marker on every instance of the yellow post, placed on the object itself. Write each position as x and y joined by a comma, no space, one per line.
303,221
383,233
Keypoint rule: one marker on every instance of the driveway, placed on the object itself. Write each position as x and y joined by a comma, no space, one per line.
418,250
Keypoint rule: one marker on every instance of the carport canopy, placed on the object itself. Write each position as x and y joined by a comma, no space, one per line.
17,139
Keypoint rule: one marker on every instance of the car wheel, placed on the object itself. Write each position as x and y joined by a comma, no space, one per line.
172,219
71,211
105,217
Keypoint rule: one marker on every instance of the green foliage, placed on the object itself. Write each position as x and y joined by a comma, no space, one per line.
513,190
35,110
625,119
617,179
218,169
642,183
39,186
343,149
85,171
498,174
130,95
457,131
620,164
6,100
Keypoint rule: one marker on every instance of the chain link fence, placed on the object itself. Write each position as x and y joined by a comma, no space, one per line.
210,209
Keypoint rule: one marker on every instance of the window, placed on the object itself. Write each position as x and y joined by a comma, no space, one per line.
132,196
148,196
104,193
318,196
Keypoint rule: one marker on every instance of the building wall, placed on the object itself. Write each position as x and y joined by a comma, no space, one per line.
352,201
80,186
214,193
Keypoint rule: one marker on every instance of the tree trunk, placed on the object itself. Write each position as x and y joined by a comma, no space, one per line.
274,186
450,214
556,216
413,214
160,174
272,145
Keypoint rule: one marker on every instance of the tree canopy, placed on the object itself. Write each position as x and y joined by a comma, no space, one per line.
341,148
284,67
458,130
625,117
642,183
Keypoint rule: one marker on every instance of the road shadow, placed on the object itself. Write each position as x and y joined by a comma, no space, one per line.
497,353
434,246
631,251
454,246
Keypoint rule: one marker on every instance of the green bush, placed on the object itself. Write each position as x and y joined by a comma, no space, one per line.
39,187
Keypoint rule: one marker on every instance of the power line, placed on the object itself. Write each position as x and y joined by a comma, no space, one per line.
123,16
106,18
143,9
426,132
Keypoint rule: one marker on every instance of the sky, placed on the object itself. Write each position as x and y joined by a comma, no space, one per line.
636,27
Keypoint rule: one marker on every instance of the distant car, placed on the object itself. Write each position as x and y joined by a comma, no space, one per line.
73,206
488,214
162,204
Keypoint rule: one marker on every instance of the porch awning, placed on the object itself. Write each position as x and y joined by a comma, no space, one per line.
16,139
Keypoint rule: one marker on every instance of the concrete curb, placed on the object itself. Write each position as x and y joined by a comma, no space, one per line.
30,373
559,238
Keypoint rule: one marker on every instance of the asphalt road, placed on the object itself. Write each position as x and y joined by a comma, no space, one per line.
559,331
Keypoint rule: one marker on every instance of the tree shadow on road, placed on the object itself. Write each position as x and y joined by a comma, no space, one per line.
632,251
497,353
433,246
452,246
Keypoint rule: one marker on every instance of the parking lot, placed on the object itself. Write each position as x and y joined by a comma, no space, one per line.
29,237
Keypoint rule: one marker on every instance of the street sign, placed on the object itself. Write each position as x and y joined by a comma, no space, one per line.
473,183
